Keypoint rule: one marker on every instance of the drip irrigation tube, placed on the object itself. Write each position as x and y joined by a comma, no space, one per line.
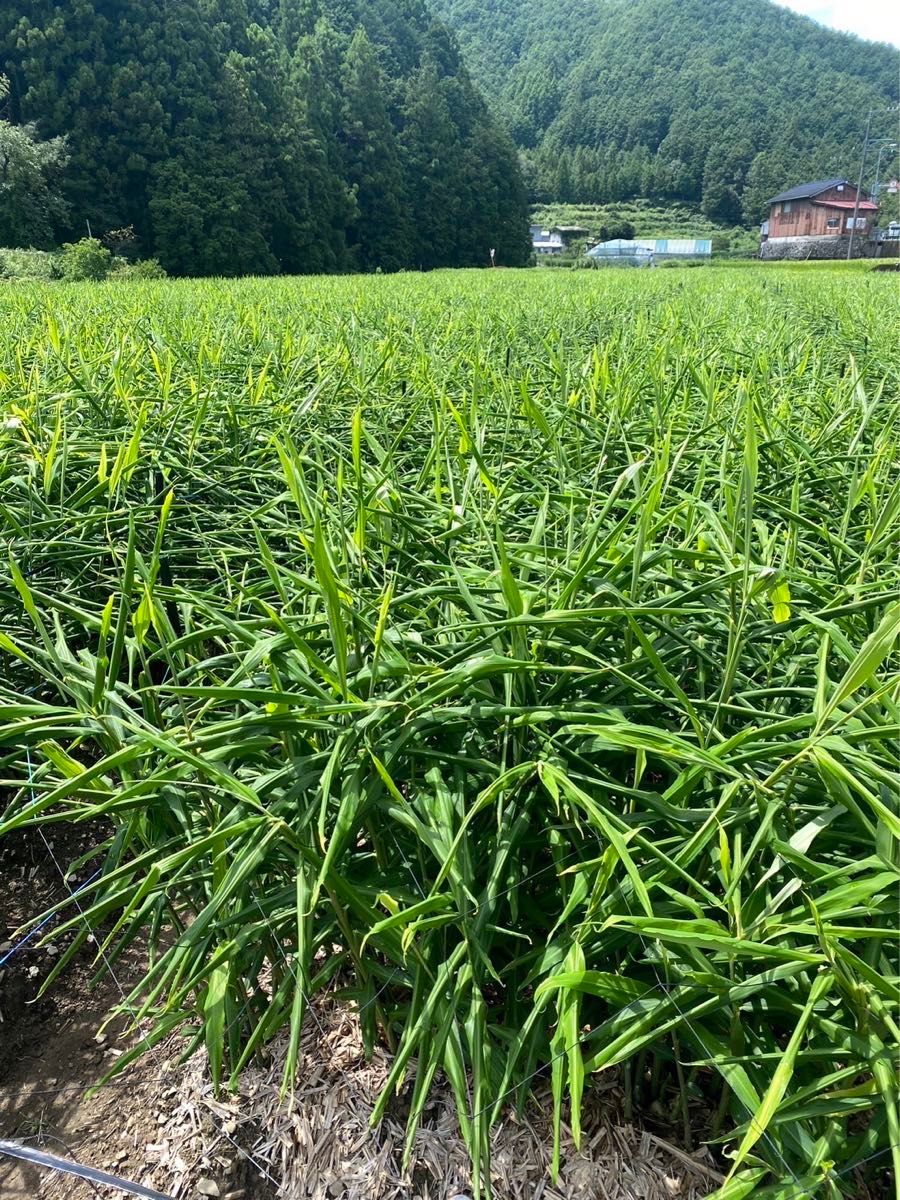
50,1162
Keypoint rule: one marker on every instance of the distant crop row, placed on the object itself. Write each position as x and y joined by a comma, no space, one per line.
513,652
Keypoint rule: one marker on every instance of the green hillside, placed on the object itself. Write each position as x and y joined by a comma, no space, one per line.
714,102
253,136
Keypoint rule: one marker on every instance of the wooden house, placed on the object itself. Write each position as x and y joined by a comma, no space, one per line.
822,209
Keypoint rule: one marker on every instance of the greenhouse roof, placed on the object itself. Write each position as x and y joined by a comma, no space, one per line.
690,247
642,247
621,247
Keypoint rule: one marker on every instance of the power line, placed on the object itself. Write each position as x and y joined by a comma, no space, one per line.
862,169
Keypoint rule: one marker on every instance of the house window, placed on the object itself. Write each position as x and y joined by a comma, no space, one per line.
787,206
840,187
834,222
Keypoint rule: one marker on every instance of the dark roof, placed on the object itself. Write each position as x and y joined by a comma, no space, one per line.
803,191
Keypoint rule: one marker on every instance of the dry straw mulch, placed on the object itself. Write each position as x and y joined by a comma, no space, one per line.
317,1144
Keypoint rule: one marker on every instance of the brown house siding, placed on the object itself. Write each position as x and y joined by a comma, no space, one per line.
813,218
805,219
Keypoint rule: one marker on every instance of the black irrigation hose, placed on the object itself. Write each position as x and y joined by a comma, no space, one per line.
52,1163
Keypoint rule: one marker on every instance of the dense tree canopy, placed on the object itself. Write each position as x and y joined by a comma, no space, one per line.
30,178
718,101
242,136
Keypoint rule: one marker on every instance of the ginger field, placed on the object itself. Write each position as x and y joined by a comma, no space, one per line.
510,651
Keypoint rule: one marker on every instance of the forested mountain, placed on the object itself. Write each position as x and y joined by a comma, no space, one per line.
266,135
718,101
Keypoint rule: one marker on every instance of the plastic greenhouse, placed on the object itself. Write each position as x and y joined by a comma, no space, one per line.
646,252
622,253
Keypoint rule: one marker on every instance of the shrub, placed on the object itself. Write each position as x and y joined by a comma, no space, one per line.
87,259
615,230
26,264
146,268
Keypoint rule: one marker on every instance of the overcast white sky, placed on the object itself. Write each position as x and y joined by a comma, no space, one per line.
875,19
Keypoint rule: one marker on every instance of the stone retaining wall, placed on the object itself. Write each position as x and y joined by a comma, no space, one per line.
798,249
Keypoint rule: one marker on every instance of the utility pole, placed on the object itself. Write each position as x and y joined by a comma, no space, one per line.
862,168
